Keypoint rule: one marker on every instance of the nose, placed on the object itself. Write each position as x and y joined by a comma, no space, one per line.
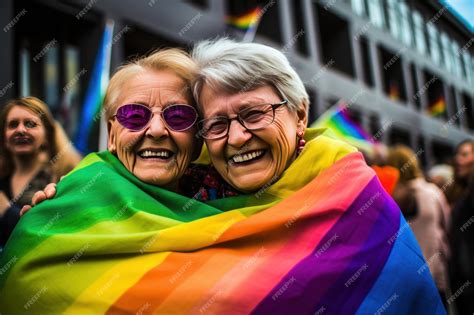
157,128
238,135
21,128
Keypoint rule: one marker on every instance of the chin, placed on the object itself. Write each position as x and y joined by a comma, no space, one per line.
249,185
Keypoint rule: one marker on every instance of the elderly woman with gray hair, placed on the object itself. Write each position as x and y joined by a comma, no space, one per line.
305,228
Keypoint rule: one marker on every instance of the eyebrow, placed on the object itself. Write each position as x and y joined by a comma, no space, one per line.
167,103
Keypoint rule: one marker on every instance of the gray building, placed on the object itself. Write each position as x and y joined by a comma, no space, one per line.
394,62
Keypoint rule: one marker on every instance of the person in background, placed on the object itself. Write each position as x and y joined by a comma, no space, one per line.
34,151
463,164
441,175
429,213
461,198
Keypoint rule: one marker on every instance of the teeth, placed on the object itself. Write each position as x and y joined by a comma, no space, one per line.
246,156
149,153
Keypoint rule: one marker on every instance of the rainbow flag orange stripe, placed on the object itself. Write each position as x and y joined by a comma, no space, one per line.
303,245
245,21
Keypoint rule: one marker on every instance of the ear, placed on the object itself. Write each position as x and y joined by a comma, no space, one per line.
111,139
302,117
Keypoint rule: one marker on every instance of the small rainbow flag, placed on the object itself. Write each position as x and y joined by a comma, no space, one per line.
393,92
438,107
96,90
344,128
246,20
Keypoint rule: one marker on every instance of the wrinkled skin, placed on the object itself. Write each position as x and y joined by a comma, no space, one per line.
278,140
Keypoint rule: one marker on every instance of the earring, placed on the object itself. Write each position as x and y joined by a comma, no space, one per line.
301,142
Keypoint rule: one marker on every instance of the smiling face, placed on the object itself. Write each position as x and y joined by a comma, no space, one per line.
464,160
24,132
248,160
156,155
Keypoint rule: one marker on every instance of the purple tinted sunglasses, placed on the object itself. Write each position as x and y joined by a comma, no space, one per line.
136,117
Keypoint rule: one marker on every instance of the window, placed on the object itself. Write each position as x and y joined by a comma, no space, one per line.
456,60
376,13
406,29
299,26
416,88
465,66
399,136
336,47
468,106
392,75
394,18
419,32
366,61
270,22
448,61
359,7
435,50
436,98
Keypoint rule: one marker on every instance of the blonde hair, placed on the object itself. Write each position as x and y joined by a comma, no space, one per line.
173,59
406,161
61,153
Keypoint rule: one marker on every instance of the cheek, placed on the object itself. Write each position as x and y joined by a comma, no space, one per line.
186,146
126,142
215,149
42,136
283,142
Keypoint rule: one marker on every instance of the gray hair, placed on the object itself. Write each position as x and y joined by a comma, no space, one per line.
232,67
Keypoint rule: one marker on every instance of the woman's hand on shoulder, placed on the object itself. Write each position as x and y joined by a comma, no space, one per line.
47,193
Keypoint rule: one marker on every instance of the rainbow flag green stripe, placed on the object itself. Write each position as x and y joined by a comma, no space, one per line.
312,241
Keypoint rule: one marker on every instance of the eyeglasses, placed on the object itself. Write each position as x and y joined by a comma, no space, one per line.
136,117
252,118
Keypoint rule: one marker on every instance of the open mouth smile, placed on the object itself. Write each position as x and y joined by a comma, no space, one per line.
247,157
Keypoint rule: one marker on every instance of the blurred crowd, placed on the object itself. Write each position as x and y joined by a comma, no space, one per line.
439,207
438,203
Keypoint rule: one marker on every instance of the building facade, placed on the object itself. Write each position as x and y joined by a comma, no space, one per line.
404,68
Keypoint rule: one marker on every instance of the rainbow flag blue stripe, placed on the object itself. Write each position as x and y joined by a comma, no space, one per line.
96,90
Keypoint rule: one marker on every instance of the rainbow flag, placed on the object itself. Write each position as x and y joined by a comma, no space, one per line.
247,22
300,246
438,107
344,128
91,115
393,92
